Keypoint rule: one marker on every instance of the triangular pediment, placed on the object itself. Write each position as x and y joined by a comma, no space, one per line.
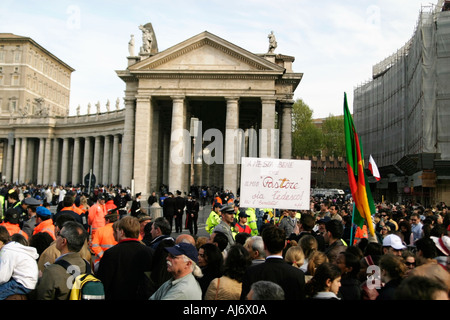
206,52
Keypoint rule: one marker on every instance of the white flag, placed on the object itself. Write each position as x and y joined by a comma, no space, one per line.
373,168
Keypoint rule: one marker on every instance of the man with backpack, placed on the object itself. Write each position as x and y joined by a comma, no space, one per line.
56,281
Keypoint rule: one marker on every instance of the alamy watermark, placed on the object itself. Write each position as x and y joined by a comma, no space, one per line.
373,14
217,147
373,273
73,21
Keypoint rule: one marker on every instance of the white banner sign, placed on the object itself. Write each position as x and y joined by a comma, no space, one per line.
275,183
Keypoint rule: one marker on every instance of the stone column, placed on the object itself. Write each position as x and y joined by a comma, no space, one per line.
76,162
23,160
5,154
107,160
47,161
65,161
16,167
286,130
40,172
186,186
268,135
166,157
55,161
231,145
97,150
177,146
154,146
127,156
32,151
115,160
142,144
87,157
9,160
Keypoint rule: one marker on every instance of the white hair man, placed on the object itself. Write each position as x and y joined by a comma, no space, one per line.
255,247
182,264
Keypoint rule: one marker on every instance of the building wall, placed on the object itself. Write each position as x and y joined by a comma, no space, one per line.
32,80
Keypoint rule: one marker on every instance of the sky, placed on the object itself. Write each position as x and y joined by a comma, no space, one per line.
335,43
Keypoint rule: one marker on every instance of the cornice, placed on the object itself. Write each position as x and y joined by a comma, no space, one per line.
204,75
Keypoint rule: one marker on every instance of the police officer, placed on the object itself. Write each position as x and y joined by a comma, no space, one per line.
121,201
192,209
179,209
30,223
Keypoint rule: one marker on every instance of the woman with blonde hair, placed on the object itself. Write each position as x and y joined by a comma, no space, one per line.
295,256
316,259
84,206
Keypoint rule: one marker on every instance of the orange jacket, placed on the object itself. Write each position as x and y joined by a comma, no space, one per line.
82,208
74,209
102,240
360,234
217,200
110,205
46,226
244,229
14,228
79,211
96,217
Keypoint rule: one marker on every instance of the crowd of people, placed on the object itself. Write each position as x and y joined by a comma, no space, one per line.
247,254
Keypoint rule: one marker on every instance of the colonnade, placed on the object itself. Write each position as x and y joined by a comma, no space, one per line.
179,174
62,160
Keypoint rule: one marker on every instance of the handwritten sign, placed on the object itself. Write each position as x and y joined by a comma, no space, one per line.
275,183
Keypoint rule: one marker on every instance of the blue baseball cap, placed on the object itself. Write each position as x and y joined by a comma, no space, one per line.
184,248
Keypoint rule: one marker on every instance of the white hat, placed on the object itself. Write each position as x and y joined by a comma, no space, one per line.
394,241
443,244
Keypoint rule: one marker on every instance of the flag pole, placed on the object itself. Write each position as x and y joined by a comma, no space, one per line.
351,227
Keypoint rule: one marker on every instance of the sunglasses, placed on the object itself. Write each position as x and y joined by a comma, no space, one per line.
409,264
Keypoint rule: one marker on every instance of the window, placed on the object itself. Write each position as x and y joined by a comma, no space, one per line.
13,105
15,80
17,56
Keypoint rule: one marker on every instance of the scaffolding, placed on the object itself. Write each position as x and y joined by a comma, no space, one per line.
405,108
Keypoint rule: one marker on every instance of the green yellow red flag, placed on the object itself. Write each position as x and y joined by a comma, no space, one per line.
359,186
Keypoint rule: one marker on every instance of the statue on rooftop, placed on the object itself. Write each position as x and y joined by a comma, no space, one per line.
131,46
272,42
149,44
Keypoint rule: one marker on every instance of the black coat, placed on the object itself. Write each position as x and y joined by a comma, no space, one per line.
350,289
122,271
192,206
169,207
291,279
151,200
387,292
121,202
179,204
